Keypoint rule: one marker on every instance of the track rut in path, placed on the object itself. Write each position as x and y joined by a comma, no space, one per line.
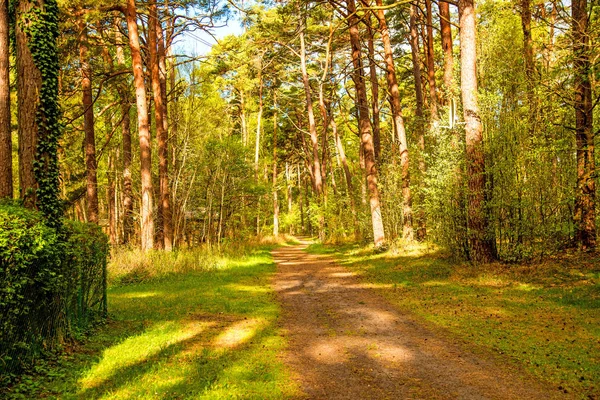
348,342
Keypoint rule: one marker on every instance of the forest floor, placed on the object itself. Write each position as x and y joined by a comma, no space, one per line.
333,322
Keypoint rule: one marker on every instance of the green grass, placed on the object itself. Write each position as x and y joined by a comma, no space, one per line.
207,333
545,317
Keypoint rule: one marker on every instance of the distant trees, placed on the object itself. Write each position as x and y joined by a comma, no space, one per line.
391,152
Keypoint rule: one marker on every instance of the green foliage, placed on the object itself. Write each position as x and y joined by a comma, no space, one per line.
50,290
30,256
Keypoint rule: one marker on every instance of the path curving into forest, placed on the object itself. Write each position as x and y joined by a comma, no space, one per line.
348,342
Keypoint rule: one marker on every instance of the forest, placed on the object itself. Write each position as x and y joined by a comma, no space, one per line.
333,199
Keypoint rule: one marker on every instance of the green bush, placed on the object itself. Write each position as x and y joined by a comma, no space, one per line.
52,285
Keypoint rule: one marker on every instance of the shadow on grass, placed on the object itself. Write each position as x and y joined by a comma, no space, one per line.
208,334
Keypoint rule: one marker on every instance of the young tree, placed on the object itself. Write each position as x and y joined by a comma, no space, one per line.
480,246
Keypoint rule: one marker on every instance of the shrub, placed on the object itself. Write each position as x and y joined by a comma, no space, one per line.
52,284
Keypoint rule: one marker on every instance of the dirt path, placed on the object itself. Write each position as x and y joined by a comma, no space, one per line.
347,342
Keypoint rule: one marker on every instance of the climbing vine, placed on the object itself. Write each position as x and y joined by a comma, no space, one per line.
40,25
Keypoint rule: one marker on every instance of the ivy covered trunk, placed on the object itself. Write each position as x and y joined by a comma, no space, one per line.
481,248
38,113
585,193
29,82
6,176
366,135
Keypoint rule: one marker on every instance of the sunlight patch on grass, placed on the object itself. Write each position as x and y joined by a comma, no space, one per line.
139,295
239,333
138,349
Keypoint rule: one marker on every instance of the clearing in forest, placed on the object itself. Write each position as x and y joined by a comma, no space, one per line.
347,342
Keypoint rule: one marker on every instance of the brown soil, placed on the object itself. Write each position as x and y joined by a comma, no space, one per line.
348,342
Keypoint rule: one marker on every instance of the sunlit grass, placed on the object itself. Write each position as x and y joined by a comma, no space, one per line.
201,334
545,317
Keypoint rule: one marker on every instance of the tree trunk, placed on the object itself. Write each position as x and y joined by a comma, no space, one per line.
585,193
430,55
420,120
111,202
146,207
446,34
258,121
374,92
165,227
398,120
312,127
29,82
88,126
275,202
480,246
6,174
365,126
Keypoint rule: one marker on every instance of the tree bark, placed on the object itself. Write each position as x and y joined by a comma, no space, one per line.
146,207
446,34
158,86
430,55
365,126
88,126
585,193
374,92
275,200
398,120
111,201
312,127
419,114
6,170
29,82
123,90
481,248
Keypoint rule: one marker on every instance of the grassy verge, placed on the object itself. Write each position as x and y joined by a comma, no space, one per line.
194,329
544,316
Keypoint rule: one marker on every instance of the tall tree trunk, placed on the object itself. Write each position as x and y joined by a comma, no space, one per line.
88,126
365,126
275,202
480,246
446,34
163,145
111,201
420,120
374,92
585,193
146,207
430,55
527,46
164,206
312,127
123,90
258,121
6,174
29,82
396,106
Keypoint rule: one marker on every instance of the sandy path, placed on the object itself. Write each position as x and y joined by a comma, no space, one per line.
347,342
